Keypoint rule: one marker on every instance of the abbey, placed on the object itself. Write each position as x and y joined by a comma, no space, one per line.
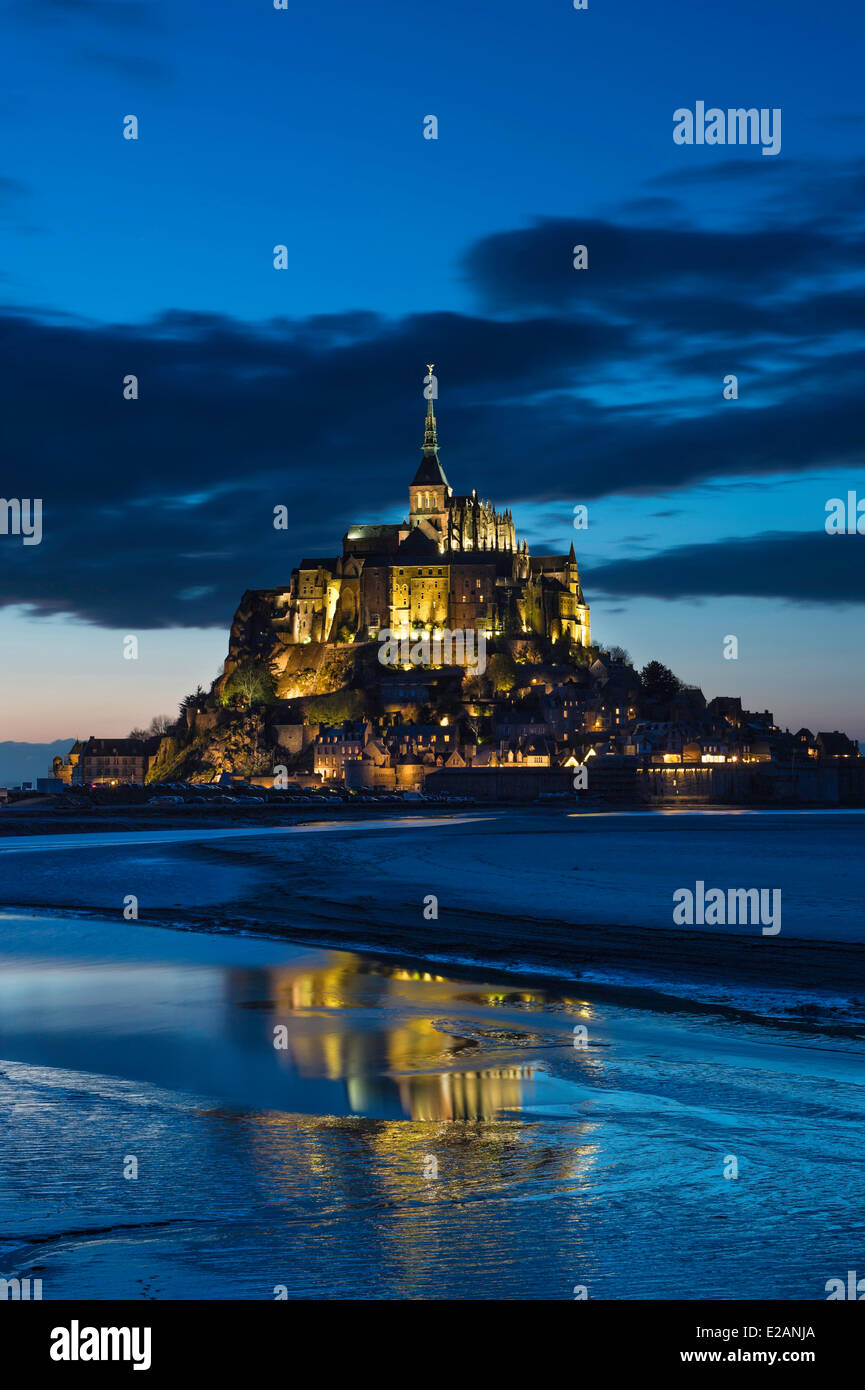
454,562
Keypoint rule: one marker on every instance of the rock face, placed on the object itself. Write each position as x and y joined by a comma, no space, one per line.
306,668
242,743
247,741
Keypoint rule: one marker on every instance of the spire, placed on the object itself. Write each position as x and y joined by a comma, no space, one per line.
430,440
430,470
572,557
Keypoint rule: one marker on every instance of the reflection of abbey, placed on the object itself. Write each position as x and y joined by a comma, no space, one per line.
454,563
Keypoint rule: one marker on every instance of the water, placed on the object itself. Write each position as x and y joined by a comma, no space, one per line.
419,1135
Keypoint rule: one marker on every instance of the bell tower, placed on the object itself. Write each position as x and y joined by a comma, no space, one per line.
429,492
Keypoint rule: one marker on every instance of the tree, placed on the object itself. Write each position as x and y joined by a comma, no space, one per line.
253,682
620,654
659,682
473,688
410,713
160,724
502,672
194,701
476,724
512,623
343,706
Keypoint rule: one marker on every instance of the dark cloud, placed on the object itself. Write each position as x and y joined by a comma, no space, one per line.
173,493
778,190
131,66
12,188
730,170
803,567
158,512
118,14
631,267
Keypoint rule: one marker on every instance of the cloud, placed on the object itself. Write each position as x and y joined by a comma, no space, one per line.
158,512
118,14
802,567
132,66
12,188
633,266
325,416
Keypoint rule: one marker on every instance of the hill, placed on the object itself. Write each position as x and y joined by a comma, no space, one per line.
24,762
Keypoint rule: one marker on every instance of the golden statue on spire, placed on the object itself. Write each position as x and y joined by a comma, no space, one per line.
430,443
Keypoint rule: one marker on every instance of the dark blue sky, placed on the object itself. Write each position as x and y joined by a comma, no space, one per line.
258,387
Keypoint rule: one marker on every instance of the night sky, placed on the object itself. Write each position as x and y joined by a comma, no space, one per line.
304,387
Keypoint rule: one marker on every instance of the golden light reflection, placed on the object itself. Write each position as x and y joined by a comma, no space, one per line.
373,1176
391,1036
464,1095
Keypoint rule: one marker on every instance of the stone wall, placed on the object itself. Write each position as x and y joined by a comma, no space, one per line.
295,737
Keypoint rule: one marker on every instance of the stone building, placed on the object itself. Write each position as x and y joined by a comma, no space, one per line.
453,563
336,746
111,761
65,769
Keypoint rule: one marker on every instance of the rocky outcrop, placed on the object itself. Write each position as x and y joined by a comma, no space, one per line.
305,668
242,744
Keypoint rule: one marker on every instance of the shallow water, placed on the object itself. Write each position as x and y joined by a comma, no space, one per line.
417,1136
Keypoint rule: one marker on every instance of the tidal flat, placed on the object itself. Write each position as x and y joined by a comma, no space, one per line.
534,1092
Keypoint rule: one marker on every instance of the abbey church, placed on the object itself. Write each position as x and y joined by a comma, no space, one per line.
454,562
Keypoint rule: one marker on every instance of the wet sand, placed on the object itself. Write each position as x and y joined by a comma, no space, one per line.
508,892
446,1038
420,1134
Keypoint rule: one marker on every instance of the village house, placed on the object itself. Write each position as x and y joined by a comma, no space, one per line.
336,745
113,761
